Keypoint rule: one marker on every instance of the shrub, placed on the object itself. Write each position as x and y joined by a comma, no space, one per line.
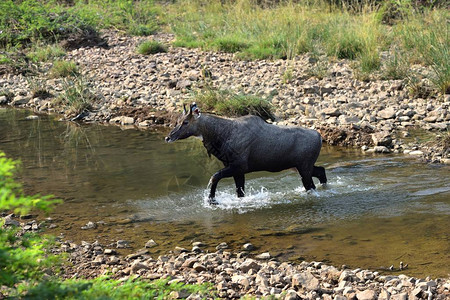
231,104
151,47
62,68
22,257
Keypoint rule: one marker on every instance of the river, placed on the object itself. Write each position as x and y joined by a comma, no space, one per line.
376,210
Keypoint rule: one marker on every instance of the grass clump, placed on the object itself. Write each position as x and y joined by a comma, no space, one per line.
63,68
227,103
151,47
230,44
45,53
77,96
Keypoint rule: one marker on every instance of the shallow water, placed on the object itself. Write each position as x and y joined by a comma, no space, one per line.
376,210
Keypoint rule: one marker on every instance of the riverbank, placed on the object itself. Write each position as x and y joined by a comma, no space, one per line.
148,90
234,275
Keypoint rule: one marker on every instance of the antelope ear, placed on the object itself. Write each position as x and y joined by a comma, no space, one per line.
184,109
197,113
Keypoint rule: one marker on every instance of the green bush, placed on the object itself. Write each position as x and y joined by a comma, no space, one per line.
22,257
151,47
231,104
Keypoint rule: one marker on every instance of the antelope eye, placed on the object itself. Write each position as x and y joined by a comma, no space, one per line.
185,122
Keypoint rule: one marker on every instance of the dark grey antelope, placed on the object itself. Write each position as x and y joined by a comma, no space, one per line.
249,144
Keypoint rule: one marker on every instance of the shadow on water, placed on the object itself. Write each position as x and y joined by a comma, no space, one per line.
375,211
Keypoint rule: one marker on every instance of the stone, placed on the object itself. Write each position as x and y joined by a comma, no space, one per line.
222,246
332,111
89,225
20,100
388,113
150,243
249,264
382,138
366,295
9,220
32,117
138,265
348,119
381,149
122,244
430,119
248,247
3,100
291,295
137,254
183,84
265,255
199,267
189,263
416,152
306,280
241,280
401,296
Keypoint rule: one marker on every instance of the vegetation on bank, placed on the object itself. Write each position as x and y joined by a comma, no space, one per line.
30,270
225,102
383,38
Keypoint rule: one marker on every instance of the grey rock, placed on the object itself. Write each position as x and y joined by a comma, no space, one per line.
332,111
89,225
366,295
382,138
306,280
138,265
3,100
265,255
248,247
199,267
150,243
222,246
291,295
122,244
249,264
9,220
381,149
387,113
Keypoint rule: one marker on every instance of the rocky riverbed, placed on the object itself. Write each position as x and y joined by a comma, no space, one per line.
234,275
146,90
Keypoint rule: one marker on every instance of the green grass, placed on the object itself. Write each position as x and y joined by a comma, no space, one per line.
63,68
77,96
282,31
30,21
227,103
151,47
45,53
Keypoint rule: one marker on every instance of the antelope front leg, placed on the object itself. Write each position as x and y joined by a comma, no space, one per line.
224,173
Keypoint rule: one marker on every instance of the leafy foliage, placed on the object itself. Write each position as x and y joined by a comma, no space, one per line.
22,257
